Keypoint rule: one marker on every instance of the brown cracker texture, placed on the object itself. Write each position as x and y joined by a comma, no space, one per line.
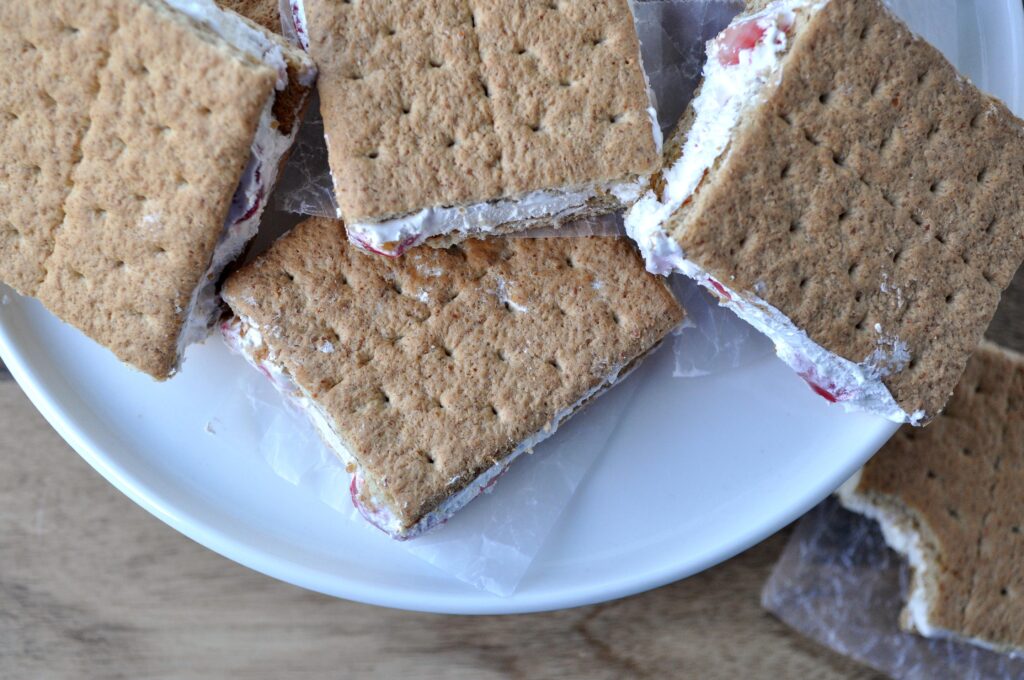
290,103
959,483
873,185
442,361
266,13
125,128
449,102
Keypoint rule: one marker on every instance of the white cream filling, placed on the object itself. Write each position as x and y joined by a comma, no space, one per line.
652,113
727,90
268,148
854,386
248,340
394,236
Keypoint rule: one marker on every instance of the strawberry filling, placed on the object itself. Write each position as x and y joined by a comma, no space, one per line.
739,38
822,392
721,289
252,209
300,30
831,393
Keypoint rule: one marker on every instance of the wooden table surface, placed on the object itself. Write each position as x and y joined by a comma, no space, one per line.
91,586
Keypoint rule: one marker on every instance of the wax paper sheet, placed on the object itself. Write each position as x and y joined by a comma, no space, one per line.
489,544
672,35
838,583
712,339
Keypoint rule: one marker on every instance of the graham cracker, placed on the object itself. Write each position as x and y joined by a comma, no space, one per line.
435,365
958,484
126,130
452,102
266,13
871,185
290,103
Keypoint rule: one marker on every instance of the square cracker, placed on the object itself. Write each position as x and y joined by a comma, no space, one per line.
871,185
125,129
435,365
959,484
450,102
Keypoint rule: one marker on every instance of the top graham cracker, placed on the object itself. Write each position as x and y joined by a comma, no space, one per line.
452,102
434,366
124,129
871,188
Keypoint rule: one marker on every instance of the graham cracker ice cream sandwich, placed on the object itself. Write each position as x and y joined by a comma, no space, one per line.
139,140
838,185
430,373
949,498
445,120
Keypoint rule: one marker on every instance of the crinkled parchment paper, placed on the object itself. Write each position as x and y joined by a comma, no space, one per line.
712,339
838,583
489,544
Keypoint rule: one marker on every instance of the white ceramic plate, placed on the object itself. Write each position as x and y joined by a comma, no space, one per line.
699,470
